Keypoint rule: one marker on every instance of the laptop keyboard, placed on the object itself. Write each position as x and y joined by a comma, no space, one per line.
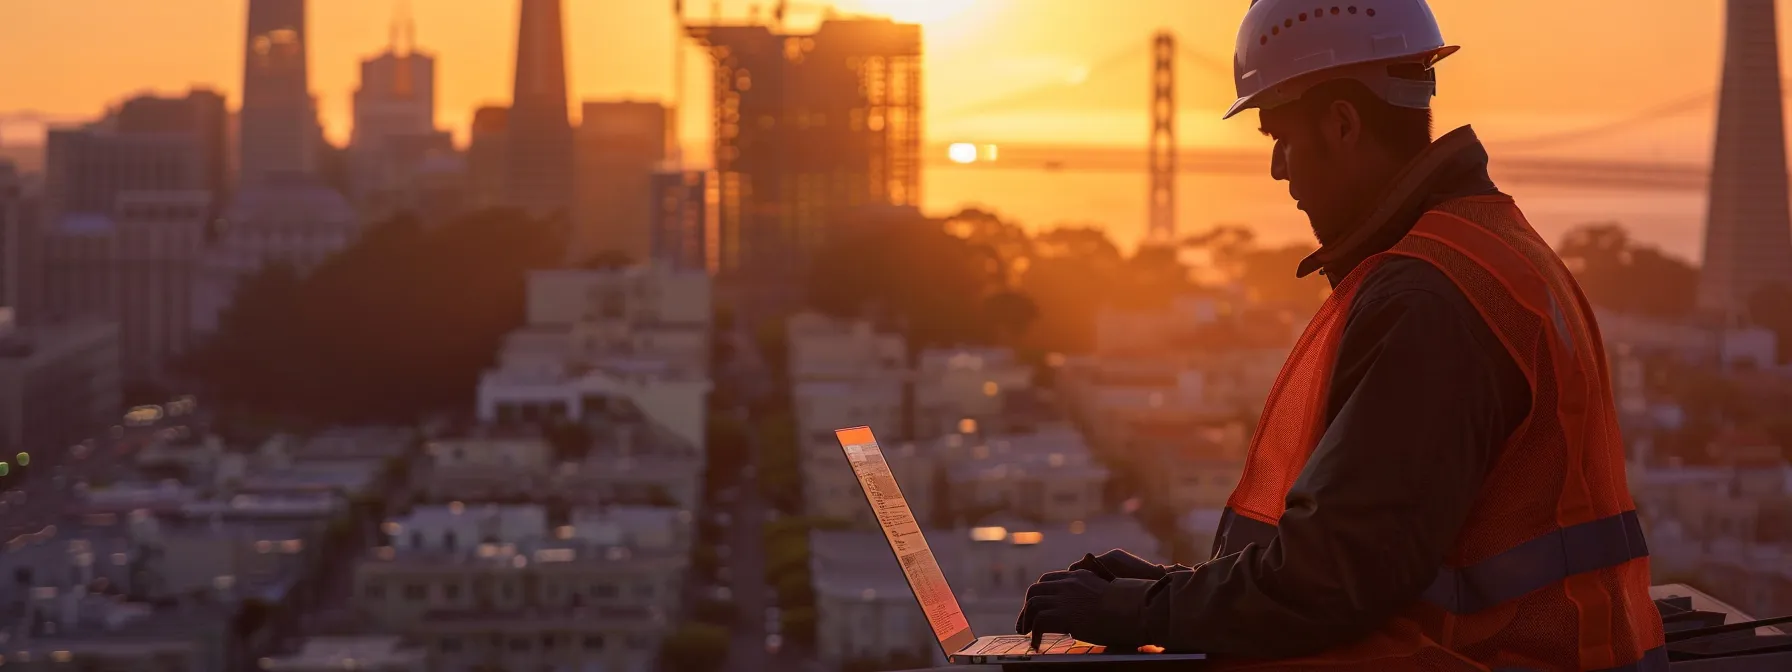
1013,644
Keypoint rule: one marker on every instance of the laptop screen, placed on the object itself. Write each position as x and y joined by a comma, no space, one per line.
904,534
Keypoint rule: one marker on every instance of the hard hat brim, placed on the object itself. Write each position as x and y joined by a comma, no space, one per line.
1307,80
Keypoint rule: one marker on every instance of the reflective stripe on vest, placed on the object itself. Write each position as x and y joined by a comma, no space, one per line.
1539,563
1514,573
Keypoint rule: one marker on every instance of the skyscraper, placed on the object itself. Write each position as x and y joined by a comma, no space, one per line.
279,133
809,128
1748,228
12,196
395,130
201,116
539,175
126,220
620,145
488,157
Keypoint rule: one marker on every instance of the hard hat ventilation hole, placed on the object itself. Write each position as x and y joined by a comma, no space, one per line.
1334,11
1287,23
1263,40
1275,30
1351,9
1303,17
1370,11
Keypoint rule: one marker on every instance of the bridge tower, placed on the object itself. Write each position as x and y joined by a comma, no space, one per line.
1748,226
1162,225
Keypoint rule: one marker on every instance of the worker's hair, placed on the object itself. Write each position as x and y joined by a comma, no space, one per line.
1406,131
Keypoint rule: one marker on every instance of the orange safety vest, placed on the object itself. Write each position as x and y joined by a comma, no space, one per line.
1550,571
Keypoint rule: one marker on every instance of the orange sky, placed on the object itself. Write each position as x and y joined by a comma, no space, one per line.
1528,65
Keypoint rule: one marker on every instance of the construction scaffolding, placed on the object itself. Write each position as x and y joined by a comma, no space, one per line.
809,128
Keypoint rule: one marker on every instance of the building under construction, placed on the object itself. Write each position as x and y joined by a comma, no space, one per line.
809,128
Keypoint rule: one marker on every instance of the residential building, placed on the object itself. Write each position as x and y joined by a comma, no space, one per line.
137,266
625,462
1724,343
58,384
293,221
809,126
865,610
331,654
81,631
847,374
822,348
1046,477
952,384
539,168
279,132
497,585
636,338
621,144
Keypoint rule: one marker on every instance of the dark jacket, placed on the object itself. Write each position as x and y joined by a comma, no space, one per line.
1422,397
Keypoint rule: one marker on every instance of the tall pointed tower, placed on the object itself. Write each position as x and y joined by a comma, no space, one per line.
1748,228
539,174
280,133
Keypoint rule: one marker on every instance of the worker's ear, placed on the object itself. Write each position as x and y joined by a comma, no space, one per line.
1341,126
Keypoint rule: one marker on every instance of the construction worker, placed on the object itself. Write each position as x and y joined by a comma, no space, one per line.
1437,481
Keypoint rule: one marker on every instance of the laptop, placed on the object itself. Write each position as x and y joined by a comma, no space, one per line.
938,605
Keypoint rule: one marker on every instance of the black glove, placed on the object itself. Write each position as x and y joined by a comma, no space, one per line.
1121,565
1070,603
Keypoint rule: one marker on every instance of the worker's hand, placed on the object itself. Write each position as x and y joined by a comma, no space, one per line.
1070,603
1122,565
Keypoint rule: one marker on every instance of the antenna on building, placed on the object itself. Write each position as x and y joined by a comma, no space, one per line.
404,29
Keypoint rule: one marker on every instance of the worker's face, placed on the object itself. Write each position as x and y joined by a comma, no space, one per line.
1318,151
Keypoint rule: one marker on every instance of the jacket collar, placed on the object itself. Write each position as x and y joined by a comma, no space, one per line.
1454,166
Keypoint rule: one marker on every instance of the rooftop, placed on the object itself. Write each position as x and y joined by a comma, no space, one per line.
348,653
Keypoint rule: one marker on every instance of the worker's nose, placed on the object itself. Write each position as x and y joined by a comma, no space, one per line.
1278,161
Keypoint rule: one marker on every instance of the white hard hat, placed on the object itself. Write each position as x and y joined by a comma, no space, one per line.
1287,46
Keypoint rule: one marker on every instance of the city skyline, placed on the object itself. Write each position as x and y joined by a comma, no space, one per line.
1042,44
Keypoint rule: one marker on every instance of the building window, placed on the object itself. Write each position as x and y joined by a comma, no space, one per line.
604,591
637,643
374,591
644,590
416,592
519,644
451,591
416,539
508,590
594,642
449,645
547,642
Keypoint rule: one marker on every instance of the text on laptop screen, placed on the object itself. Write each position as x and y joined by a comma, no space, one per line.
904,532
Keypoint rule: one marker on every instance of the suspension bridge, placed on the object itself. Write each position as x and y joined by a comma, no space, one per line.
1123,74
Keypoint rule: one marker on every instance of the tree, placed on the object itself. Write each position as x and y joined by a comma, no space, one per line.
399,324
1620,274
695,647
1073,272
911,273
